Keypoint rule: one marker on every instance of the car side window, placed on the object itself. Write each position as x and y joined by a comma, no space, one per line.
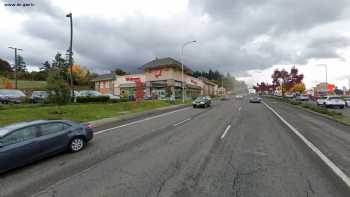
51,128
20,135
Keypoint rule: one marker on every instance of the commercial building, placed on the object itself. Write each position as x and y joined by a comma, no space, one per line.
162,78
105,83
126,85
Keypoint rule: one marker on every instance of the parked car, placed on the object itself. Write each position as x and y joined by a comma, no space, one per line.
347,101
39,96
302,97
334,101
26,142
255,99
89,93
11,96
111,96
321,100
292,95
201,102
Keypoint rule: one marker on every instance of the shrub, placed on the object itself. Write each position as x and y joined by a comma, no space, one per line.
58,88
90,99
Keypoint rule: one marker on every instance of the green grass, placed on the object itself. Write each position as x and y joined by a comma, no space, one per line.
336,115
26,84
76,112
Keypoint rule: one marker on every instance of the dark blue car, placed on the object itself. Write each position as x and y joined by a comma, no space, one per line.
26,142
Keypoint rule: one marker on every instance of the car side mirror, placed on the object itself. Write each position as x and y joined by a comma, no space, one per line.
1,145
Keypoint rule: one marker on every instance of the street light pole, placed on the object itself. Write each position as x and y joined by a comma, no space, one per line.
70,50
182,69
16,63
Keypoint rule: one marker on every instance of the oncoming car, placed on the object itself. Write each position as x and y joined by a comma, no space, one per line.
26,142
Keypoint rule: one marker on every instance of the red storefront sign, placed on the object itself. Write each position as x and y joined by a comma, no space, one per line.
157,72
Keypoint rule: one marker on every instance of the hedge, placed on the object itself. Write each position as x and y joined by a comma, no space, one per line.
91,99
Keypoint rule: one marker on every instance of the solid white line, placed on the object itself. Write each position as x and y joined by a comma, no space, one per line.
182,122
138,121
322,156
227,128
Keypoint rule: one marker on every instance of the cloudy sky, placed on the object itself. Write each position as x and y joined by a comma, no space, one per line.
248,38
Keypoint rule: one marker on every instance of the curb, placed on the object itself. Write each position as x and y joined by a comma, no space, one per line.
131,116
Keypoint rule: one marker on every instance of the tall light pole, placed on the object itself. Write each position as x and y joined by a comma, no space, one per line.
16,63
326,67
70,51
182,68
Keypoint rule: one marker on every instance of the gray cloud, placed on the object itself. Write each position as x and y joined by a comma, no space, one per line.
226,41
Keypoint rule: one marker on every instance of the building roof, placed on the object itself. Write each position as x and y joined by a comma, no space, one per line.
104,77
165,62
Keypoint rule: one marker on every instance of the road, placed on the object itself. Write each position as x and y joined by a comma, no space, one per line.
230,149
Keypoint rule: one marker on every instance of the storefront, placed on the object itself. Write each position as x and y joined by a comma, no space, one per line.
164,78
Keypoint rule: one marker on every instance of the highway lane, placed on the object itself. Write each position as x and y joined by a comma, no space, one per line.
231,149
332,138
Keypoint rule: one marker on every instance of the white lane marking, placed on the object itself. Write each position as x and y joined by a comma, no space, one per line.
240,108
225,132
138,121
181,122
322,156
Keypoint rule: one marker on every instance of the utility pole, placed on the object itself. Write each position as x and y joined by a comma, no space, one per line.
70,51
16,63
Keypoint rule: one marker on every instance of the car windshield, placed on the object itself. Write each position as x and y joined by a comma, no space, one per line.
40,93
175,98
17,93
198,99
89,93
335,98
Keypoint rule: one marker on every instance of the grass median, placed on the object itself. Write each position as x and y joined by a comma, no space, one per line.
336,115
76,112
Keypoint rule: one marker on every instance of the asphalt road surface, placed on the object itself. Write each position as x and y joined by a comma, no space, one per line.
233,148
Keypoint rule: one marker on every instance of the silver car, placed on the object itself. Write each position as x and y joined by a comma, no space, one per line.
11,96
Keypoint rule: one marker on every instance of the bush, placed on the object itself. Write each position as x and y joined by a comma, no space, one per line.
59,92
90,99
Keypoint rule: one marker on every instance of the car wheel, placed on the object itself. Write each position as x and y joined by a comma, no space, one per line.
194,106
76,144
342,107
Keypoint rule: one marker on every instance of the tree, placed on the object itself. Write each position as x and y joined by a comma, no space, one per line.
299,88
210,75
21,65
60,64
338,91
46,66
80,75
6,83
59,92
119,71
5,67
288,79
